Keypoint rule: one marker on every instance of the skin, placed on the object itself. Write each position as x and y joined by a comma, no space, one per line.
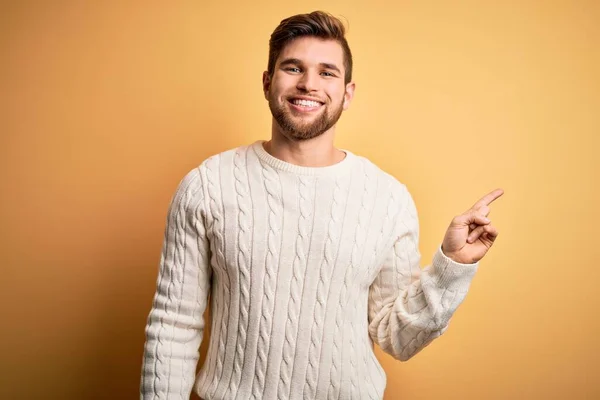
471,234
318,73
314,68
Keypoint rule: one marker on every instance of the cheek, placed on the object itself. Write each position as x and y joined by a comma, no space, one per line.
282,85
279,93
336,92
337,96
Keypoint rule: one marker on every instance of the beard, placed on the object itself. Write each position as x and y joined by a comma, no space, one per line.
296,128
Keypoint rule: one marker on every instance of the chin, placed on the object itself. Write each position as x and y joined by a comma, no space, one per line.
302,136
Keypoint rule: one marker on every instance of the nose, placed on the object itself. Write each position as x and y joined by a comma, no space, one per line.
308,82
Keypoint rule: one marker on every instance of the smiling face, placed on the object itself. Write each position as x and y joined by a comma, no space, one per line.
307,93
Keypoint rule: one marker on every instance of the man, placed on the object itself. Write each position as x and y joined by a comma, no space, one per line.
309,253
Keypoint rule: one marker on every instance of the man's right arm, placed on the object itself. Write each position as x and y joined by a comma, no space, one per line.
175,325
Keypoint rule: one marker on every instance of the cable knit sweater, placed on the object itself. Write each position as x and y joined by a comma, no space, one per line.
306,267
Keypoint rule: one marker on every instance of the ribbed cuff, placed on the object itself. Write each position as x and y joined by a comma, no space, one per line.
450,274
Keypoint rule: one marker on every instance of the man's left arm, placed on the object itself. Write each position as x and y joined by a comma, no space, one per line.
410,307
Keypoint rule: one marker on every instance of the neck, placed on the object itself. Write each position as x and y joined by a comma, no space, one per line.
316,152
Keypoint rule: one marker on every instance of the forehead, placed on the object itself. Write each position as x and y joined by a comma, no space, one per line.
312,50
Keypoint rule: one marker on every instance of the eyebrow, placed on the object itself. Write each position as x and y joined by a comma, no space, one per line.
295,61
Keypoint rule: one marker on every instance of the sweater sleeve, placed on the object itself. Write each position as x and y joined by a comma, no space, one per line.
175,324
408,306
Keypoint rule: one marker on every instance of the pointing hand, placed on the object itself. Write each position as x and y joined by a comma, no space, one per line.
471,234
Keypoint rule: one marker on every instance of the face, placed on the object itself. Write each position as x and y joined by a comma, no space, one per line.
307,93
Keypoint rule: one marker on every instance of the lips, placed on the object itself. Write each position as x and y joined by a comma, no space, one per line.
304,103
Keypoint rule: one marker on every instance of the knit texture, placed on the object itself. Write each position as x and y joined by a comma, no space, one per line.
306,268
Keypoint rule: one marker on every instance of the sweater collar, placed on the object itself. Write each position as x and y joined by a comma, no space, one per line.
338,169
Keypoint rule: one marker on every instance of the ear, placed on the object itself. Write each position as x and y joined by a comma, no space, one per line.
349,95
266,83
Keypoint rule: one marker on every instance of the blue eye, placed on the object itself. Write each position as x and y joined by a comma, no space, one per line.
328,73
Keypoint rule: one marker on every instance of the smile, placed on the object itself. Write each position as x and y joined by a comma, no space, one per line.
305,105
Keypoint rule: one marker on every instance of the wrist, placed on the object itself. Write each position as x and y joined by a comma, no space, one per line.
456,257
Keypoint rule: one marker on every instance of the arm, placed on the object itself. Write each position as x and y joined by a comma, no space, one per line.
410,307
175,324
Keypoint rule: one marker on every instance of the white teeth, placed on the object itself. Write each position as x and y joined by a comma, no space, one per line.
306,103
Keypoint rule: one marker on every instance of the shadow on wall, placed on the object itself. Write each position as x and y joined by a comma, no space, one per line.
114,362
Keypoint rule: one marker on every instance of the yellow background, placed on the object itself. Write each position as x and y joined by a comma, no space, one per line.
105,105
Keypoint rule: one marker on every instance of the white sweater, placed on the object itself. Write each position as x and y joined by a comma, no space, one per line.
306,267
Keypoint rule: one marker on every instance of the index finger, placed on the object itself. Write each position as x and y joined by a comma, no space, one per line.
488,198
